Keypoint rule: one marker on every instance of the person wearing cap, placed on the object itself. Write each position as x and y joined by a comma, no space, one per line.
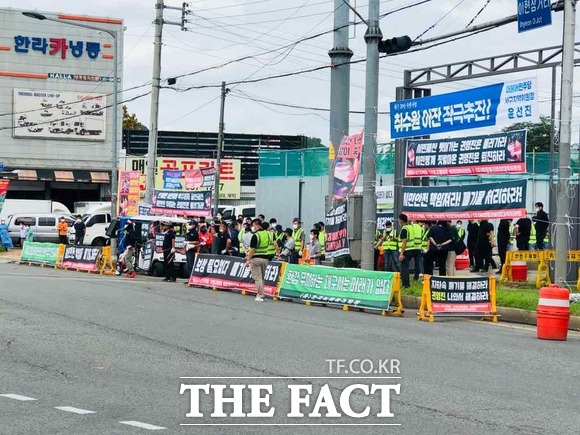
298,236
278,238
169,251
541,223
62,228
192,240
288,252
257,257
5,238
80,229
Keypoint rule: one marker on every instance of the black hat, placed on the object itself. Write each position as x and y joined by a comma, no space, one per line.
193,223
297,220
539,204
278,227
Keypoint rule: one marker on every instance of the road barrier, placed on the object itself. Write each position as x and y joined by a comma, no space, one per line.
349,288
80,258
542,258
452,296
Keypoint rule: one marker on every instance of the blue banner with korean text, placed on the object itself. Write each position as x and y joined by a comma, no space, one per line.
172,180
533,14
492,105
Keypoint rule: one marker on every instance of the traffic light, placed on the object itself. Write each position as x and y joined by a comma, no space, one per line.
395,45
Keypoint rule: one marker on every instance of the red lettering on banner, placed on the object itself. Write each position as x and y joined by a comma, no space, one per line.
168,164
227,171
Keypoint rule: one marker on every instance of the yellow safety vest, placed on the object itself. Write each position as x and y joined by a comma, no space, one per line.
533,240
417,235
263,243
410,237
297,236
240,237
389,242
271,248
424,239
322,240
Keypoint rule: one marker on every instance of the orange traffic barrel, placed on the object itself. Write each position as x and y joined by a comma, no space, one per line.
519,271
553,313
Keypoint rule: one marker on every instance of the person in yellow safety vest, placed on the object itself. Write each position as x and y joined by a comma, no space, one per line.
257,257
418,233
460,230
424,238
378,248
321,238
533,240
390,245
408,250
512,236
298,236
271,249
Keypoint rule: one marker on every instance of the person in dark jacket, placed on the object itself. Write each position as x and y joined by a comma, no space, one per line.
503,240
80,229
541,223
485,244
169,252
472,230
523,231
192,244
438,241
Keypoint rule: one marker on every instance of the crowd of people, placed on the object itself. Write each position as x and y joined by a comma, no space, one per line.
435,245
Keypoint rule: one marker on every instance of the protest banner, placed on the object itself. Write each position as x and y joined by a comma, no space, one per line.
184,203
385,197
82,258
231,273
347,165
458,297
203,179
501,153
144,209
493,105
474,201
336,231
129,190
147,256
3,190
172,179
383,217
47,254
329,285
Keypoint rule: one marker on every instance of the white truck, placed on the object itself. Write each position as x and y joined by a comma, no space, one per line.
12,206
89,125
96,220
60,127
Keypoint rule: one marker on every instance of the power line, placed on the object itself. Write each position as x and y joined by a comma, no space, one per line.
478,14
432,26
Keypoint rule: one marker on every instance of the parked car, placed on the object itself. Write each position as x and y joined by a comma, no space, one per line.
43,225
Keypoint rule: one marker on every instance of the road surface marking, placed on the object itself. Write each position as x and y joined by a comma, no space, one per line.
142,425
73,409
18,397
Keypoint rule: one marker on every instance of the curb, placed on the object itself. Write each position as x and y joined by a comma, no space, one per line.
512,315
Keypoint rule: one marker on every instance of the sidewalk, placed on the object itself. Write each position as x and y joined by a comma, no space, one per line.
13,254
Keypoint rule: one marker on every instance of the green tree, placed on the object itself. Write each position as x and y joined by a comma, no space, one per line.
130,121
538,138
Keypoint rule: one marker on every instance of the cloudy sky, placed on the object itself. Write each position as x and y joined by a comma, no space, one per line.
223,30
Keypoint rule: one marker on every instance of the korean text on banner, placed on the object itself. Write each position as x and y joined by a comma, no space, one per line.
501,153
231,273
336,231
353,287
385,197
82,258
172,180
40,253
200,178
184,203
473,201
3,190
347,165
493,105
128,199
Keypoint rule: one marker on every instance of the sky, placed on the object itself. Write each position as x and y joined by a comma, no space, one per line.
224,30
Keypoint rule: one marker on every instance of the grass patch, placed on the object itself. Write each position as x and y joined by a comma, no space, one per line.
509,295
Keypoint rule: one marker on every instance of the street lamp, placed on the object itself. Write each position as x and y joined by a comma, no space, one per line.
114,176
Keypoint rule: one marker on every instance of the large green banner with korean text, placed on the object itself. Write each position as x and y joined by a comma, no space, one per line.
40,253
329,285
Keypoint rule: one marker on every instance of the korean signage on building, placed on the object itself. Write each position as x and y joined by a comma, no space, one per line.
57,46
473,201
501,153
230,173
492,105
59,115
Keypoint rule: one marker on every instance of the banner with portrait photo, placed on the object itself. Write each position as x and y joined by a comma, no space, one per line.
3,191
129,190
203,178
472,201
500,153
347,165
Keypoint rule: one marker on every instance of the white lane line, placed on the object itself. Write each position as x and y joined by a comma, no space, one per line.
18,397
142,425
73,409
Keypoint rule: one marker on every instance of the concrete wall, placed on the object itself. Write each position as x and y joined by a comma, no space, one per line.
55,153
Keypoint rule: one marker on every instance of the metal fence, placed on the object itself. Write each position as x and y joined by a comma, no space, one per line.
313,162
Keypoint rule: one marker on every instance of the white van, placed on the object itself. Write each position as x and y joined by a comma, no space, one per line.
43,226
230,213
96,220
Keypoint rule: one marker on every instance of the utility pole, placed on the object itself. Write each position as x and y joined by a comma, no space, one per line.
154,115
373,37
567,90
339,55
216,187
155,87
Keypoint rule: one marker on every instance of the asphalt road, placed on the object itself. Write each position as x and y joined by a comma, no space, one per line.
118,348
